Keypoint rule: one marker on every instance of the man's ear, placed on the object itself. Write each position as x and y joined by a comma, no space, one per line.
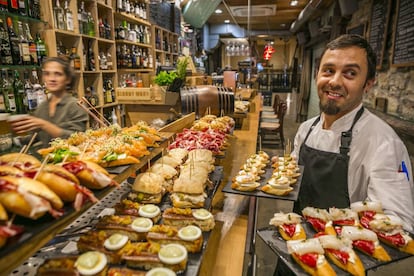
369,84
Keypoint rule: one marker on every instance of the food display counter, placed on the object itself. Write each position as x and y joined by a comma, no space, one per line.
54,236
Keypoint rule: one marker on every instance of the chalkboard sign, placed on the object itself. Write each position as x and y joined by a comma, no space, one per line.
403,46
160,15
378,27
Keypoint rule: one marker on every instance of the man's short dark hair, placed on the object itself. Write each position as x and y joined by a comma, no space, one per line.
350,40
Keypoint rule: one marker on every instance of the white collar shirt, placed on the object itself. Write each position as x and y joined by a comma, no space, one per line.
376,154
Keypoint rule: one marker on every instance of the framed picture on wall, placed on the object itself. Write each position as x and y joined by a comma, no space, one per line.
357,29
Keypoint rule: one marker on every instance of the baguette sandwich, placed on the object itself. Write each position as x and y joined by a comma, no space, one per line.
340,252
319,219
365,241
289,226
389,230
28,198
309,254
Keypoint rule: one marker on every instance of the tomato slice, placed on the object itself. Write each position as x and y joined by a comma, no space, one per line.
289,229
310,259
364,245
342,256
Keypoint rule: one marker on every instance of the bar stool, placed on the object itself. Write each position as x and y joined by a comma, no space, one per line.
271,132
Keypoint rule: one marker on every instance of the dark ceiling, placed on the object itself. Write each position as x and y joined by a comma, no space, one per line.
260,23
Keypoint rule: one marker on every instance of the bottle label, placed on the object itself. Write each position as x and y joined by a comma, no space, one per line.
69,21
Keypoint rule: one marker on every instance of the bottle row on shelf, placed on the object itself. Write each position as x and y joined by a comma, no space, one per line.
20,95
108,93
17,46
29,8
135,33
135,8
133,57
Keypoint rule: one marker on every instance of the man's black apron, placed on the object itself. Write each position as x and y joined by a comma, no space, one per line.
325,177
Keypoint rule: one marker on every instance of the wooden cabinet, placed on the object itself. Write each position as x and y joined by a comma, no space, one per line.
165,46
95,47
134,51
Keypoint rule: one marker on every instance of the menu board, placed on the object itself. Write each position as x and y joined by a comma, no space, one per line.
403,46
378,27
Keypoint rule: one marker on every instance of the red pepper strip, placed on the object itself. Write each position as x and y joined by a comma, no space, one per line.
366,246
342,256
397,239
310,259
317,224
289,229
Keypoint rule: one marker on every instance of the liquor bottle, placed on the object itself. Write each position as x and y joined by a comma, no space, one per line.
4,100
32,45
84,19
80,18
11,107
91,25
23,7
158,40
68,17
107,91
108,29
109,62
34,8
19,95
91,58
75,59
119,6
103,65
14,43
23,45
59,16
30,93
13,6
40,49
5,50
101,28
93,99
38,89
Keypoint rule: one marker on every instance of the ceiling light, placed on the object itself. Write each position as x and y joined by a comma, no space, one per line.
218,11
294,3
227,21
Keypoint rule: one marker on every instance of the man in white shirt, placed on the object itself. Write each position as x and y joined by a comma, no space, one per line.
348,153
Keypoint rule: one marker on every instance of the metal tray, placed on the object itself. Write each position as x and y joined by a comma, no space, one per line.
270,235
292,196
65,242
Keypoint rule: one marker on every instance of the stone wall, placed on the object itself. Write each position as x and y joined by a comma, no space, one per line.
395,85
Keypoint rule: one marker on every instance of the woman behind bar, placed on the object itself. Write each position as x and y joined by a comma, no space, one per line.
60,115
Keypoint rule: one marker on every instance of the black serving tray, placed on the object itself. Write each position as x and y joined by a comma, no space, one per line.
292,196
64,243
270,235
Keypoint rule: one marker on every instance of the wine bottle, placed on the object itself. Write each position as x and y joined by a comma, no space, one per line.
32,45
5,50
29,91
68,17
14,43
40,49
59,16
19,95
23,45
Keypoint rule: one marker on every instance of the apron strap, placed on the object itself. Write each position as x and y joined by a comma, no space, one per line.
346,136
311,128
